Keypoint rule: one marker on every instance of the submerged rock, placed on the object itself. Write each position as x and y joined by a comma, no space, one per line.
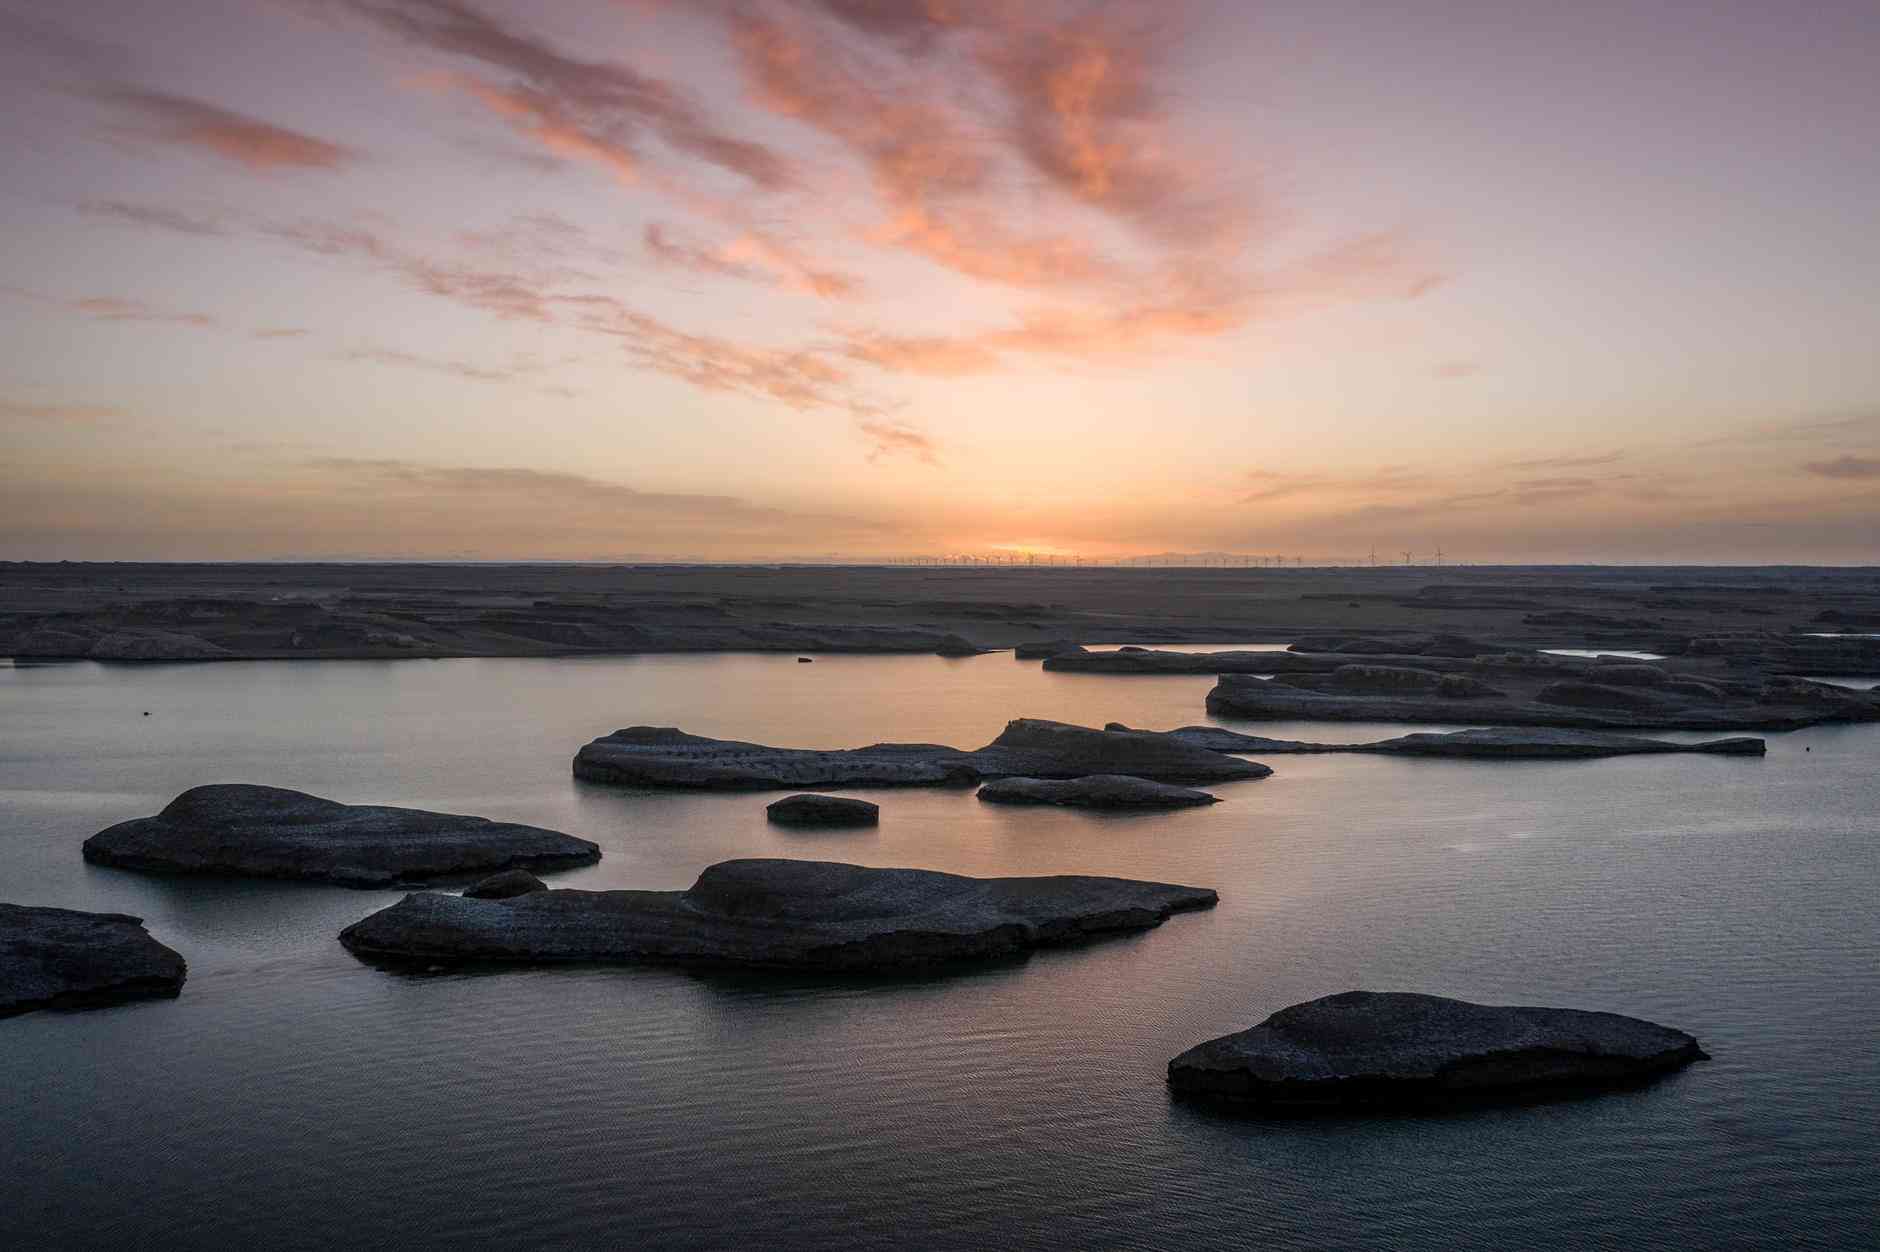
1043,648
812,810
1097,791
503,886
1372,1048
652,756
816,915
271,832
63,958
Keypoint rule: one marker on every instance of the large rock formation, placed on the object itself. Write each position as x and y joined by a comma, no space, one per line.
271,832
1498,742
62,958
1526,698
815,810
1097,791
776,913
1370,1048
652,756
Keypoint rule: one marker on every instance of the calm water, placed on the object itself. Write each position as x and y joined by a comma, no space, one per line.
294,1098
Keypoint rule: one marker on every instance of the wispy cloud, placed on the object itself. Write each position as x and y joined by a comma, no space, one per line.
436,365
1569,462
892,438
579,497
598,111
247,141
751,257
517,370
1845,466
26,410
157,217
113,308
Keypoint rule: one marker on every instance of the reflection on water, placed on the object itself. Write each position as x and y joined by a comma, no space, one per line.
1623,653
296,1098
1857,684
1197,647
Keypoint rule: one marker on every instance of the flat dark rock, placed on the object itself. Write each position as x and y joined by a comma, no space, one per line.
653,756
1493,743
1076,660
816,915
1374,1048
1526,698
271,832
62,958
1096,791
503,886
813,810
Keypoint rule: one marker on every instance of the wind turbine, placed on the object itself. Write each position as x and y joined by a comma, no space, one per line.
1439,554
1406,556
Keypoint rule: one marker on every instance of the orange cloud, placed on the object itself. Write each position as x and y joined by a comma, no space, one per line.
934,176
258,145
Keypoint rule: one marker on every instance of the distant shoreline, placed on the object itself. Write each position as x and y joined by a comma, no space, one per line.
281,611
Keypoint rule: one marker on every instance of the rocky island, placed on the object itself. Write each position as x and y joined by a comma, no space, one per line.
63,958
815,810
1096,791
811,915
655,756
271,832
1363,1048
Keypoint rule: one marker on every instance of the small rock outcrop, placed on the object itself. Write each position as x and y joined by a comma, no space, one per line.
506,885
812,915
63,958
1394,1048
654,756
1040,649
814,810
271,832
1097,791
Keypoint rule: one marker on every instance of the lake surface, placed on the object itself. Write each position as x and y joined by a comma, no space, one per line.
294,1098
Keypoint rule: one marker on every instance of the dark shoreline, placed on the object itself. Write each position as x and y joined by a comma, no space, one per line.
173,612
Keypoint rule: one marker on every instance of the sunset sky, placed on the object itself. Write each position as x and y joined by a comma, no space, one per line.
733,279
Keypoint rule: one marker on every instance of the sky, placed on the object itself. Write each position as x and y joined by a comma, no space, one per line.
794,279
